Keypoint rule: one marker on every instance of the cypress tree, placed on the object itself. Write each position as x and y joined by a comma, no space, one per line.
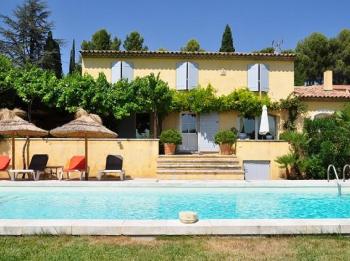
227,41
51,59
72,59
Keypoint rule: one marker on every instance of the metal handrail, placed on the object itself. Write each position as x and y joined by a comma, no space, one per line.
344,170
331,166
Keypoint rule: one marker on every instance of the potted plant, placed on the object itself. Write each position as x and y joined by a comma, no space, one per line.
225,139
170,138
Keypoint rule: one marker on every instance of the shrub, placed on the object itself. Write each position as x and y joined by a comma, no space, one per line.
225,137
171,136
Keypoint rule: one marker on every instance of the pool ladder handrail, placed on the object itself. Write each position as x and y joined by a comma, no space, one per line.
347,166
331,166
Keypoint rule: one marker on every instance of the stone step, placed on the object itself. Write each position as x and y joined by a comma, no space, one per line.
195,165
199,162
200,177
199,172
196,156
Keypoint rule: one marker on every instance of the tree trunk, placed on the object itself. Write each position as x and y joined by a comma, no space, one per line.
155,124
25,158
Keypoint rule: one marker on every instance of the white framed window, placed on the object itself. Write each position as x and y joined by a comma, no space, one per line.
186,75
122,70
251,126
258,77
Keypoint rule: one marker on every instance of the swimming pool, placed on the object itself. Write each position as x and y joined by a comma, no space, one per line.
164,203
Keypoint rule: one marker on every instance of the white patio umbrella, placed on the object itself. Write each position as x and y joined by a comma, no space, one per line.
264,122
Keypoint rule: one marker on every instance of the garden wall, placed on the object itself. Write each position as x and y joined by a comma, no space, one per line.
140,155
263,150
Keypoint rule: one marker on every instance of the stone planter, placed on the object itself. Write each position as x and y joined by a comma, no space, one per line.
169,148
226,149
242,136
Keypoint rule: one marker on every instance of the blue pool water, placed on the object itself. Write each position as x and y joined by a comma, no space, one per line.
165,203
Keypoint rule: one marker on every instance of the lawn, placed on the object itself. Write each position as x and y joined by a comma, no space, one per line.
175,248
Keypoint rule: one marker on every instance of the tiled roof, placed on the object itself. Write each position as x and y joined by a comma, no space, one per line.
317,91
112,53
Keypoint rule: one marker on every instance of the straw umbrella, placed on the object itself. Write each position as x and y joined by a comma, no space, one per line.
12,124
85,125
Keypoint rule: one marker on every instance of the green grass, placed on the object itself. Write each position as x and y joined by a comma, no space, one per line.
175,248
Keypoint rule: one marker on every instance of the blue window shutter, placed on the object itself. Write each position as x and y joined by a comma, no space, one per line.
181,76
264,78
192,75
253,77
116,71
127,71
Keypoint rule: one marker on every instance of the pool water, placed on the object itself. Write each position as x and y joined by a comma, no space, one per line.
165,203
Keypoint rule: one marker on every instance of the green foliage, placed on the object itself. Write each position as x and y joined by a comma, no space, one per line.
134,42
192,46
313,58
30,83
199,100
323,142
266,50
170,136
227,41
295,107
247,103
295,161
51,59
340,47
329,144
225,137
24,34
7,92
101,40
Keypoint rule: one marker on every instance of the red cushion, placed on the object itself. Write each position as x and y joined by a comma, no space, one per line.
4,162
77,163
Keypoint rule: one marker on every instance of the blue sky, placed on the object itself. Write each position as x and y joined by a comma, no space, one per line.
169,24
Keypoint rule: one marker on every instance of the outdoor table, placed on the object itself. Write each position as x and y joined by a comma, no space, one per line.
53,170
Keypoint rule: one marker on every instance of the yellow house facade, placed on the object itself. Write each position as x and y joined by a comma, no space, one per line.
271,74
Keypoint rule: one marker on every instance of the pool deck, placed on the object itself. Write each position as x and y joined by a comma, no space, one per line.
175,227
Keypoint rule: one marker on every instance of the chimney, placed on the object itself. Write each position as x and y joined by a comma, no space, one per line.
328,80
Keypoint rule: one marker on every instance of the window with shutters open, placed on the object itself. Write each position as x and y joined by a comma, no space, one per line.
258,77
122,70
186,75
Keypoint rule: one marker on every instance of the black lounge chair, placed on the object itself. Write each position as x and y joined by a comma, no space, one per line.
36,167
114,164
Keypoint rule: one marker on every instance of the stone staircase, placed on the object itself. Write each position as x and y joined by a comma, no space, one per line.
199,166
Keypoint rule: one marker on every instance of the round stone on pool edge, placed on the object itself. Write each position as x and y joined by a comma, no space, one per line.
188,217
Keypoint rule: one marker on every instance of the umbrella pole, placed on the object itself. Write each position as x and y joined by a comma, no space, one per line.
86,159
13,152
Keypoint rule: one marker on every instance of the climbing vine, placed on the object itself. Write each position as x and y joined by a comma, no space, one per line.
295,107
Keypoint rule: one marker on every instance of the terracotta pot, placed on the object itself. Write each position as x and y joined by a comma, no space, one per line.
169,148
226,149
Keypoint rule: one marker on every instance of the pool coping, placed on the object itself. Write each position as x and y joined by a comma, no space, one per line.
241,227
177,183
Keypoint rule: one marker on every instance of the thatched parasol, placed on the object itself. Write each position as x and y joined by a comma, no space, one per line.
13,125
84,126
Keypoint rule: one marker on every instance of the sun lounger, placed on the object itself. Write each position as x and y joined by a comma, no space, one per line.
114,164
4,163
36,167
76,164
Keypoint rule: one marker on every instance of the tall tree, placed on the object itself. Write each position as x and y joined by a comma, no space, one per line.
134,42
266,50
101,40
72,59
314,56
340,46
51,59
24,36
192,46
227,41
